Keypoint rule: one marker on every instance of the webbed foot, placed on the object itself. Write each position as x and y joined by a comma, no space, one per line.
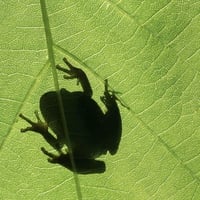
83,166
39,126
76,73
110,97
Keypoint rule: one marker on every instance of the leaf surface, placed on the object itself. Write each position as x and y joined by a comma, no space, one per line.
149,51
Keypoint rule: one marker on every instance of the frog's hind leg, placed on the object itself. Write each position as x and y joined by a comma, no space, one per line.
41,128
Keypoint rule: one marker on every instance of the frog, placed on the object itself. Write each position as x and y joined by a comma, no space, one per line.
91,131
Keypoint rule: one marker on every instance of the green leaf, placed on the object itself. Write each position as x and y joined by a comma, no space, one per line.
149,51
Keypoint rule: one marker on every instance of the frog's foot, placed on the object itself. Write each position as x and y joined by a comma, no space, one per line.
76,73
110,96
52,157
62,159
39,126
83,166
73,72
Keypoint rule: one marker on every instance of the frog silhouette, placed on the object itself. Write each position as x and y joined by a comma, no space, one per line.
91,132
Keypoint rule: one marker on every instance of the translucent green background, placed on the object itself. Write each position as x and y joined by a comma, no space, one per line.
149,50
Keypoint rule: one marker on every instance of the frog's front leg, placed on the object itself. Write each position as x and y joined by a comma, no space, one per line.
109,98
41,128
77,73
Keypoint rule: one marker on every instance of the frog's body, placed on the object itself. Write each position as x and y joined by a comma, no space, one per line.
91,132
83,119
